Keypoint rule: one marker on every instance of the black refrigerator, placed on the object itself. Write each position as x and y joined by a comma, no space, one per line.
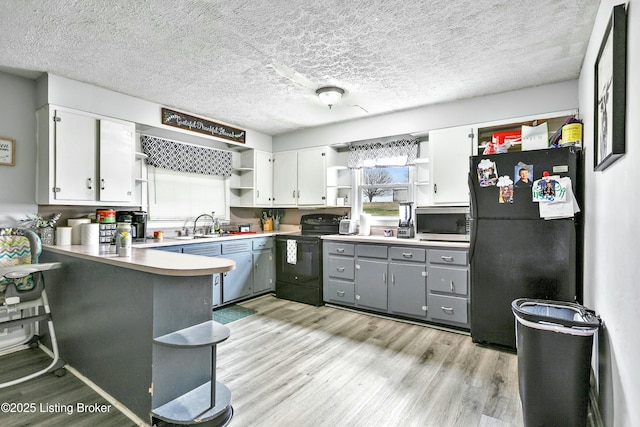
514,253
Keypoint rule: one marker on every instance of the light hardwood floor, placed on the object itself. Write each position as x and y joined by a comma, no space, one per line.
295,365
54,400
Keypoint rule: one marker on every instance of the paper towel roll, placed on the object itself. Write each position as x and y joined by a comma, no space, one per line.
365,225
90,234
75,232
63,236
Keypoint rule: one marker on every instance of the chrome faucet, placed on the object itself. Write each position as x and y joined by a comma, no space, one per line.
184,227
195,223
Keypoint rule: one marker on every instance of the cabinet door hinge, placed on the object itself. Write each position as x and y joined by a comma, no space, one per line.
324,154
56,189
57,119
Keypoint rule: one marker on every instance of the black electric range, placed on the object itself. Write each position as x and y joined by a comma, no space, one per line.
299,259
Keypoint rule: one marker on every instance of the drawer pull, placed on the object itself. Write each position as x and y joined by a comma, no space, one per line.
384,277
447,258
453,288
341,293
340,250
340,269
448,310
407,254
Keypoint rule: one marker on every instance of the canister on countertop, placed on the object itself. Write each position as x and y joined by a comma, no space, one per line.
105,216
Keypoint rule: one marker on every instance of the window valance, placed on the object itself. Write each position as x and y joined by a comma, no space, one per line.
401,152
172,155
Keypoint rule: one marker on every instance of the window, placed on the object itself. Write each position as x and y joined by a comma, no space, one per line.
381,190
176,196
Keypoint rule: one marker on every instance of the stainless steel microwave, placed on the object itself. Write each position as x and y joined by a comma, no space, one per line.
449,223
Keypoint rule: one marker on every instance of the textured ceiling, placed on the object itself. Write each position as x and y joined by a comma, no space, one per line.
256,64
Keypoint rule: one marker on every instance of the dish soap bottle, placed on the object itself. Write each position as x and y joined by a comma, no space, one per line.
216,226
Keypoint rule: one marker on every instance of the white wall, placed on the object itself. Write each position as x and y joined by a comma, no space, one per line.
18,121
147,115
520,103
612,229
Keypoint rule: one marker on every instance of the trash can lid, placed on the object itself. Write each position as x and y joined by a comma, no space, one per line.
567,314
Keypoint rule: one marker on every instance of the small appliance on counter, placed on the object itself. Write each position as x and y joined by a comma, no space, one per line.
138,220
348,226
405,224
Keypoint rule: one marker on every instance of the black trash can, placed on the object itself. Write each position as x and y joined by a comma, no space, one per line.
554,341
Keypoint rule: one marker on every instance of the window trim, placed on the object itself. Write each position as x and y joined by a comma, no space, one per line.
377,220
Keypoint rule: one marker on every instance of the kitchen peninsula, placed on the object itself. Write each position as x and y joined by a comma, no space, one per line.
109,312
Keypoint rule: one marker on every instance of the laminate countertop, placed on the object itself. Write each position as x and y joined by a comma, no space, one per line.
189,240
395,241
141,259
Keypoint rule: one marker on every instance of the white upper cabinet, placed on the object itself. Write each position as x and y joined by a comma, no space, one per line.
75,157
264,178
312,169
84,159
117,157
285,178
449,151
251,181
299,177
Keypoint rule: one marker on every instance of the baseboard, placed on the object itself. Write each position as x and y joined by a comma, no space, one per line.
127,413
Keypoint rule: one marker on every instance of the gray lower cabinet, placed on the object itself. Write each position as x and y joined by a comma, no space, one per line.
213,250
412,282
237,283
371,284
339,273
263,271
448,287
255,266
408,289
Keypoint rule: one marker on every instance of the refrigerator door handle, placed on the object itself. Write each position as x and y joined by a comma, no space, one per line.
472,196
473,220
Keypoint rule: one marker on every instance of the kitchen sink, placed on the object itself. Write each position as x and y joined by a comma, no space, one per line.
197,236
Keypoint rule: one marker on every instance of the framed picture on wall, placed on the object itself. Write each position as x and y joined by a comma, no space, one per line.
7,151
610,92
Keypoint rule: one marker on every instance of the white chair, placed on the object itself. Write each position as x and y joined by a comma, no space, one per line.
23,299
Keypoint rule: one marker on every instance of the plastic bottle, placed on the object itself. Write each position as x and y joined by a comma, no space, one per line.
216,226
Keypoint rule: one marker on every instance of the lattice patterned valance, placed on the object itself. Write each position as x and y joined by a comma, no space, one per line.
402,152
177,156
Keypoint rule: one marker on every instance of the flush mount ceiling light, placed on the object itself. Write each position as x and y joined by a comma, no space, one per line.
330,95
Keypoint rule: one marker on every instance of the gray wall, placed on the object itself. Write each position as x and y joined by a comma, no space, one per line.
18,121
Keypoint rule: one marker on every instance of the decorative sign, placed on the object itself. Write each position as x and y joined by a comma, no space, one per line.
197,124
7,151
